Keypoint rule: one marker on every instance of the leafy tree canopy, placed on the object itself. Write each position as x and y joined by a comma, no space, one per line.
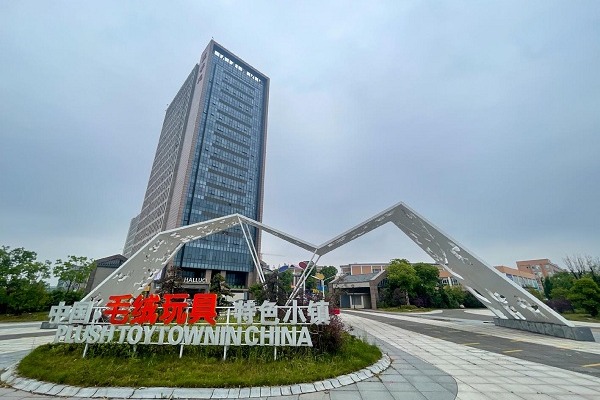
428,276
401,274
585,294
402,277
222,289
74,271
329,272
22,288
20,264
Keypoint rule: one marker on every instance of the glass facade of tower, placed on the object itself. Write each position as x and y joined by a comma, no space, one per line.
227,167
209,163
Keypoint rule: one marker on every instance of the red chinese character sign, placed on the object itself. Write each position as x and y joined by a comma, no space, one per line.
177,319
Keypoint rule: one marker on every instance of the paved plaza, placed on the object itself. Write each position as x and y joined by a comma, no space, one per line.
435,365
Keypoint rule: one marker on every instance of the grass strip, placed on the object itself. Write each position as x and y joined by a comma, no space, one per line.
25,317
200,366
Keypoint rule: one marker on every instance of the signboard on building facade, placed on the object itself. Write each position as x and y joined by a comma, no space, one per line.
177,319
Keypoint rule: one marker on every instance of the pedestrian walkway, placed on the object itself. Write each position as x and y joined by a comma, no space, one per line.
17,339
480,374
422,367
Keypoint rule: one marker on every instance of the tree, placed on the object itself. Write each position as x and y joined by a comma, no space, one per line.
560,284
402,278
428,283
74,272
534,292
585,294
581,265
329,272
222,290
313,283
548,286
286,278
277,287
454,296
171,281
22,287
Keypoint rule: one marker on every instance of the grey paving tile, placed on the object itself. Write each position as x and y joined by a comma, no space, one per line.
286,390
307,387
7,391
254,392
347,388
18,382
335,382
371,386
124,392
432,371
362,375
451,387
372,379
429,387
392,378
265,391
410,372
220,393
32,385
295,389
85,392
487,388
275,391
439,395
149,393
56,389
244,393
345,395
233,393
399,387
410,396
290,397
314,396
6,374
443,378
44,388
419,378
69,391
345,380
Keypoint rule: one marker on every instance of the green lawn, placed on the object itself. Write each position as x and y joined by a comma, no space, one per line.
201,366
26,317
581,317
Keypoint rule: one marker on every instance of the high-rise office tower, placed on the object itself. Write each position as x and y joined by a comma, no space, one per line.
210,162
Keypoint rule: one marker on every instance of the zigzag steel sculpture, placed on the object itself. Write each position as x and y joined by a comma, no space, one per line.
513,306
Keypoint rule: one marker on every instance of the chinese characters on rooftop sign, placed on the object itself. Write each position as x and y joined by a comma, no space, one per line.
179,320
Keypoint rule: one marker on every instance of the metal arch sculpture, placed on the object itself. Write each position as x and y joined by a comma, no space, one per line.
138,271
501,295
513,306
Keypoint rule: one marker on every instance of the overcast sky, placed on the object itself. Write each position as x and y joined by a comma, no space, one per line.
482,116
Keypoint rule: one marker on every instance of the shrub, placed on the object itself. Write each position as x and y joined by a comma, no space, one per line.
560,305
328,338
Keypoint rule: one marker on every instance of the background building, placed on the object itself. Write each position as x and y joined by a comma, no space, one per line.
104,267
130,241
521,278
541,268
359,269
210,162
